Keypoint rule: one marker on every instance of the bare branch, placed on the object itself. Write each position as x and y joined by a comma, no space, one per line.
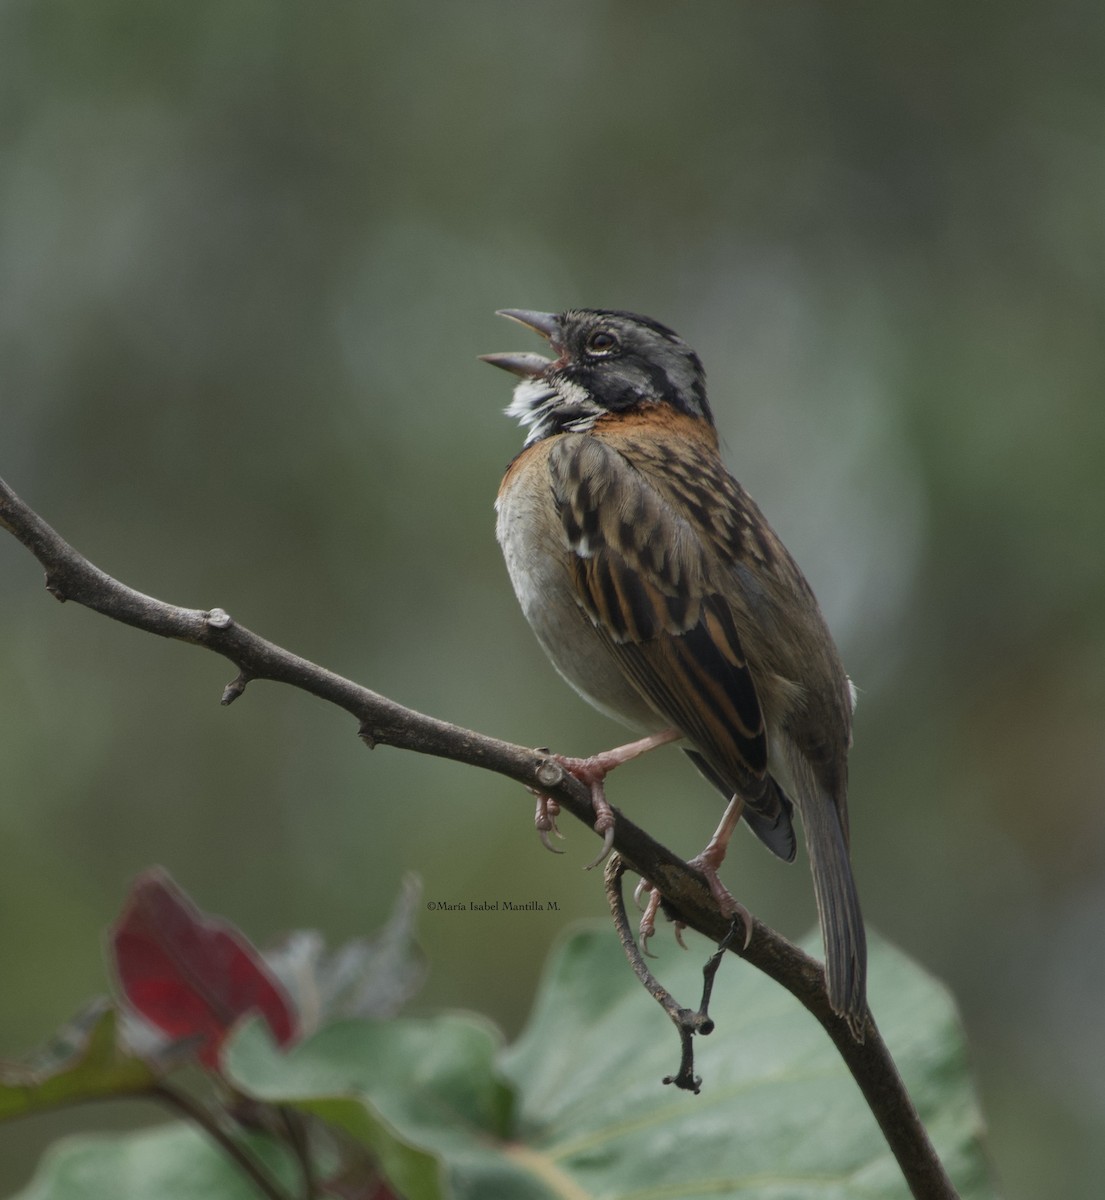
70,576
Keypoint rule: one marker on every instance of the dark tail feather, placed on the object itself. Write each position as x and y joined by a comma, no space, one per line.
838,910
768,818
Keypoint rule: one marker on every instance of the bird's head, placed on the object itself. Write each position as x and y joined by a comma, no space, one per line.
606,362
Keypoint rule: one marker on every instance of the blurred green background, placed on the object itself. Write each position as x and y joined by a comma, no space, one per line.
248,255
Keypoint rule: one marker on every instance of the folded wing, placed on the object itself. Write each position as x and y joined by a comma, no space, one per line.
642,576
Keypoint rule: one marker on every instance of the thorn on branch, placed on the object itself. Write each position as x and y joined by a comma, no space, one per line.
368,736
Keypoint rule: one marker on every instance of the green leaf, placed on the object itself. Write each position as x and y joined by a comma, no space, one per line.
82,1062
575,1108
172,1162
778,1116
423,1095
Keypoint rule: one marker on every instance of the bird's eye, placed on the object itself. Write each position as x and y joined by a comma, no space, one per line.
601,342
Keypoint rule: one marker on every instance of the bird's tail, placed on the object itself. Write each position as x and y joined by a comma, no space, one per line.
838,910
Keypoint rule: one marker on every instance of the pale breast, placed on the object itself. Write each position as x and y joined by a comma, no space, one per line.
533,543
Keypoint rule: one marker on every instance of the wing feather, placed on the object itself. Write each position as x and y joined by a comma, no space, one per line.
644,579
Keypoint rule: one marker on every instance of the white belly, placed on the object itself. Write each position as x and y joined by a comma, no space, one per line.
536,553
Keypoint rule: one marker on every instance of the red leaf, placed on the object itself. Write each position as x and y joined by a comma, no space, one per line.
191,975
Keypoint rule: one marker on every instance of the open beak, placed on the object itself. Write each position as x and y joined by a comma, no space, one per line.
546,324
526,365
521,363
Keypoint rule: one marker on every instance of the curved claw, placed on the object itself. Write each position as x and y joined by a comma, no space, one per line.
607,846
647,928
543,834
545,821
638,894
746,920
645,936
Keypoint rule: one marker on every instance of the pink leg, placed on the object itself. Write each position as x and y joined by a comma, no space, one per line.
707,863
593,771
714,855
601,765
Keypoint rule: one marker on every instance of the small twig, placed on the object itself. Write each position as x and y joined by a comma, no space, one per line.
710,968
209,1123
686,1021
70,576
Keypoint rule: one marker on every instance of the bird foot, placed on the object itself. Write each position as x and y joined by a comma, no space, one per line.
592,772
544,820
705,864
647,928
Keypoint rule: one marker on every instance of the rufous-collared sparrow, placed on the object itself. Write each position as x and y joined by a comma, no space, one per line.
662,595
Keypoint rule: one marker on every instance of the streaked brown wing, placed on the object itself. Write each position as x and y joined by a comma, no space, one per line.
642,575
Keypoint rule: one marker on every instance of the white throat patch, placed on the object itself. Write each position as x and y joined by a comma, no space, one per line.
546,409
